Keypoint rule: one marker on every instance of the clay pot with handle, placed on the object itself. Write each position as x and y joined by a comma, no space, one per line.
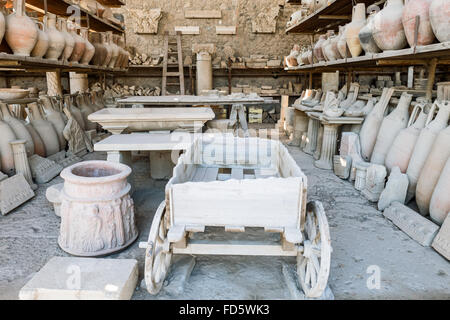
80,46
365,35
108,48
439,14
41,47
353,28
318,53
56,118
19,129
21,32
402,148
2,23
115,50
342,44
69,40
413,9
100,51
57,41
6,154
390,127
439,154
44,128
388,30
440,201
89,50
39,147
425,142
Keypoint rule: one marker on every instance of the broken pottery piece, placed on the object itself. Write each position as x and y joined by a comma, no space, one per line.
97,212
441,242
42,169
412,223
395,190
375,179
100,279
53,195
361,173
14,191
350,146
342,166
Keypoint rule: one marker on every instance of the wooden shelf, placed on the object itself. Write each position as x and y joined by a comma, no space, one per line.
59,7
421,55
11,61
112,3
333,15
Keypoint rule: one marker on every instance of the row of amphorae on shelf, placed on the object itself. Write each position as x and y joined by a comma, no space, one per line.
57,39
392,28
42,125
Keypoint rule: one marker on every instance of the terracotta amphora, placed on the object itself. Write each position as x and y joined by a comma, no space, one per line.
334,43
425,143
440,201
440,152
69,40
353,28
39,147
90,49
21,32
115,50
76,112
80,45
2,24
56,118
342,44
328,48
388,30
366,33
420,9
119,56
56,39
125,52
86,110
41,47
100,51
371,125
19,129
402,148
6,154
439,14
98,99
108,48
318,48
390,127
44,128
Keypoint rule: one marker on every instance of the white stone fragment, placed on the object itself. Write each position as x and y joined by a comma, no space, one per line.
64,278
396,189
375,180
14,191
53,195
412,223
342,166
441,242
188,30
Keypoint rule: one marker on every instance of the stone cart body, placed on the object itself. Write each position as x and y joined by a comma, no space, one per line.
238,183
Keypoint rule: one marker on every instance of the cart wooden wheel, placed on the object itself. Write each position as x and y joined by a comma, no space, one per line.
313,264
158,253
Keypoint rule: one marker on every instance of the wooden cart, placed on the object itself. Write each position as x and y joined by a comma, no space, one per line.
238,183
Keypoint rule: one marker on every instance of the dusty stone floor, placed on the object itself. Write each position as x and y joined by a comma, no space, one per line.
361,238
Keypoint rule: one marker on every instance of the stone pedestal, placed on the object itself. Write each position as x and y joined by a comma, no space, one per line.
21,161
316,154
300,127
161,165
313,130
328,147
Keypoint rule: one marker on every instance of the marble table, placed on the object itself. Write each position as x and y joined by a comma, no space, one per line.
329,140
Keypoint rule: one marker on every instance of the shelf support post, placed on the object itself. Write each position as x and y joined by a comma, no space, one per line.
431,75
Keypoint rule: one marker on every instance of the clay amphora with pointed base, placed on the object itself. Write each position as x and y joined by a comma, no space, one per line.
21,32
365,35
389,129
388,30
425,142
19,129
45,129
6,154
56,118
56,39
413,9
78,116
353,28
69,40
440,201
41,47
439,14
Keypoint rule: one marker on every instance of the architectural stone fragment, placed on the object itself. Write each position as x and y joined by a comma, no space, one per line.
53,195
266,21
21,161
441,242
375,179
342,166
42,169
145,21
13,192
396,189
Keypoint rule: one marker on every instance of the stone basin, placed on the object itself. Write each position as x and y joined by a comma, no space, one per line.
126,120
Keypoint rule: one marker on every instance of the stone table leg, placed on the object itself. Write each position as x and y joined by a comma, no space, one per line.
328,147
21,163
300,127
161,164
311,143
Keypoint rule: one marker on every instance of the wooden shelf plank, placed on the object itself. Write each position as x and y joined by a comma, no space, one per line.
318,22
59,7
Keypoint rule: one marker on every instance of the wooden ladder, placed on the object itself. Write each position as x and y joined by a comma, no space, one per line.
180,73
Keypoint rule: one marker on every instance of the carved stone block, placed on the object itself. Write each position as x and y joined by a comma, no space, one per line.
266,21
342,166
14,191
42,169
188,30
65,159
441,242
396,189
203,14
145,21
375,180
360,175
53,195
412,223
71,278
79,143
227,30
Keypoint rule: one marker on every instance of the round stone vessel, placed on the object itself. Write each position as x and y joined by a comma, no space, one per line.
97,212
